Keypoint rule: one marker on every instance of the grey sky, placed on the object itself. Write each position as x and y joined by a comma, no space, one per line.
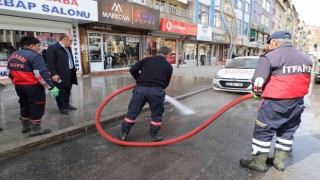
308,11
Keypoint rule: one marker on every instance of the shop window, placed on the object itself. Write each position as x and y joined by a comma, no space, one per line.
203,14
47,39
154,43
190,51
117,51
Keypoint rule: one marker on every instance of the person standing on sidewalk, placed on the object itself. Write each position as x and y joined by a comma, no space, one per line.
63,72
152,75
282,78
28,72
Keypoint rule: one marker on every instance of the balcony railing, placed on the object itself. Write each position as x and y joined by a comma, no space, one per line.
167,8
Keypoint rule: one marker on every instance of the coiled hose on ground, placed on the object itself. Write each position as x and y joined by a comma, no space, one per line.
165,142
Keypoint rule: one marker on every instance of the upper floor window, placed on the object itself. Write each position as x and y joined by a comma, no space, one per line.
239,25
172,8
203,14
247,8
217,19
160,4
139,1
267,6
245,28
239,4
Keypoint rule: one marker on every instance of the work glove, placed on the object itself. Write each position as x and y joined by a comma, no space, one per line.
258,97
54,91
257,86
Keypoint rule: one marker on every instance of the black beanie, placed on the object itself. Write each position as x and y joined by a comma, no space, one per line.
27,40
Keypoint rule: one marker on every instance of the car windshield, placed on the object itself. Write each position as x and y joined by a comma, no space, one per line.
243,63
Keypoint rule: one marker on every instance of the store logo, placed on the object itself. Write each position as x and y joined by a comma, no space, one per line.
116,8
116,14
205,29
169,25
178,27
143,16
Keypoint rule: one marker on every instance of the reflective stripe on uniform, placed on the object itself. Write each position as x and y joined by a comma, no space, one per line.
261,143
256,149
129,120
156,123
284,141
282,147
36,121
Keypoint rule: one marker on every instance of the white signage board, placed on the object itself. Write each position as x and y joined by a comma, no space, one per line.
75,9
204,33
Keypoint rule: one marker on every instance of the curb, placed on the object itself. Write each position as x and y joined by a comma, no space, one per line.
57,136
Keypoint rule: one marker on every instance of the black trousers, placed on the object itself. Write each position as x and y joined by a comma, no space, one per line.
32,99
63,99
141,95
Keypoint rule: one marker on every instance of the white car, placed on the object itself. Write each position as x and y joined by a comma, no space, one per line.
236,75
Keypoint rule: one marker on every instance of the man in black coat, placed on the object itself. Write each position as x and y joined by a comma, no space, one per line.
62,69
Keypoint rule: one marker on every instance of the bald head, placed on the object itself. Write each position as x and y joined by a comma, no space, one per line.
65,40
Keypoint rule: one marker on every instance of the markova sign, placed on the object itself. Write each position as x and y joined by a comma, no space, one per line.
121,12
76,9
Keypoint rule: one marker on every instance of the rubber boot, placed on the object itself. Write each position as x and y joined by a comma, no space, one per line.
25,125
154,137
36,130
258,162
278,160
123,134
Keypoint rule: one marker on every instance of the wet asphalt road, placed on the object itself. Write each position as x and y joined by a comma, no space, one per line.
214,153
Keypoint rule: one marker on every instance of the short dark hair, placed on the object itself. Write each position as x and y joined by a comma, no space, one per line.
164,51
28,40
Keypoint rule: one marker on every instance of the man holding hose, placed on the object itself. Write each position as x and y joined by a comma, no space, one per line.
282,79
152,75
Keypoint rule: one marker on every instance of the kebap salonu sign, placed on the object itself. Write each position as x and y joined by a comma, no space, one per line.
76,9
123,13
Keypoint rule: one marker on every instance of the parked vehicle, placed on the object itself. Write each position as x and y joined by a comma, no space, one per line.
236,75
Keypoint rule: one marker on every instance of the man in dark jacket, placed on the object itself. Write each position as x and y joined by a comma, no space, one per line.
29,74
62,70
152,75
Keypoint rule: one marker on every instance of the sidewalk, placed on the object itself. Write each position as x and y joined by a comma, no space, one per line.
86,97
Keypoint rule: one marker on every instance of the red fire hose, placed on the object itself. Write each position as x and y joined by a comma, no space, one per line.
169,141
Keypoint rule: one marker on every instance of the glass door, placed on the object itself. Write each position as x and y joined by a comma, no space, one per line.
96,57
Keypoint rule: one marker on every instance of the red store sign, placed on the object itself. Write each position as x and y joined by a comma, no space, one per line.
177,27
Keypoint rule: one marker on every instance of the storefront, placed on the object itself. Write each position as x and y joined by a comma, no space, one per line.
46,20
204,38
171,34
258,37
242,46
221,45
115,43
